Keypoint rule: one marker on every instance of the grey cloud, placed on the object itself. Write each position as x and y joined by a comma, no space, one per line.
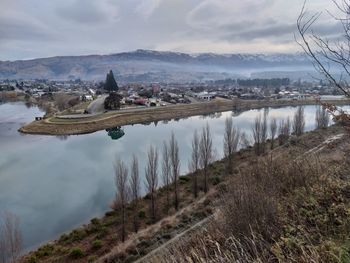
329,29
210,13
75,27
12,28
278,30
84,11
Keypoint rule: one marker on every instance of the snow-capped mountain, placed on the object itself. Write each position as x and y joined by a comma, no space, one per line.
149,65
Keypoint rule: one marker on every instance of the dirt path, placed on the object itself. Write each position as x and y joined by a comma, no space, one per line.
149,256
133,238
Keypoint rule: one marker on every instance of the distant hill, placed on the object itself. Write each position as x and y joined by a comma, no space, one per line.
152,66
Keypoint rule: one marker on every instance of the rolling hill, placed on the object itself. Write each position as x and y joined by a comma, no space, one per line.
153,66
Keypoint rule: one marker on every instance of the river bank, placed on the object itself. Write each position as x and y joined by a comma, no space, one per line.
74,175
74,126
99,241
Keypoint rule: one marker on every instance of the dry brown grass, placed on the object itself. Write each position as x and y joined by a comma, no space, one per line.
277,210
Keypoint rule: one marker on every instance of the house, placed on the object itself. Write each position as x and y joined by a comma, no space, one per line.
87,98
205,95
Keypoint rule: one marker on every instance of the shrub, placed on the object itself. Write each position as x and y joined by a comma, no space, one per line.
142,214
44,251
111,213
131,250
32,259
76,253
77,235
97,244
215,180
103,231
166,236
95,221
222,188
61,250
184,179
131,258
143,244
64,238
248,207
92,259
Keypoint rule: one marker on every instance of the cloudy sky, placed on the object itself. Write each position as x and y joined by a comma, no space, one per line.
39,28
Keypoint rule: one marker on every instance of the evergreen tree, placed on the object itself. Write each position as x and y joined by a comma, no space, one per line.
110,84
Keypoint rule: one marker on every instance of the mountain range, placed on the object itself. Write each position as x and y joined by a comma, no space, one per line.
155,66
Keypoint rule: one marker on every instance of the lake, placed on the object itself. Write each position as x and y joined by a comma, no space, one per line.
54,184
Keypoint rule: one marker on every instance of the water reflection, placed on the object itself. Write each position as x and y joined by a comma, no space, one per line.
115,133
212,115
28,104
62,137
54,185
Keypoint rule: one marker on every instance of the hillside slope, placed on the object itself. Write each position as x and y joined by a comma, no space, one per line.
146,65
291,205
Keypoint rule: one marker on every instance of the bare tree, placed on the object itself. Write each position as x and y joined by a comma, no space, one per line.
264,130
166,171
135,189
273,131
329,54
152,179
280,131
322,118
206,153
231,141
10,238
244,140
194,163
61,101
257,134
299,121
287,127
284,131
326,54
175,166
122,195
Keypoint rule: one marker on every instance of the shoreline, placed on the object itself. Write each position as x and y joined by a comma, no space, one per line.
56,126
192,210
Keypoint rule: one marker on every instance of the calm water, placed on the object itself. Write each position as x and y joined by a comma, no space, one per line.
55,184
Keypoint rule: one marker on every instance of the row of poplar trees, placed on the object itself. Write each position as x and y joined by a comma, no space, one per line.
128,185
128,181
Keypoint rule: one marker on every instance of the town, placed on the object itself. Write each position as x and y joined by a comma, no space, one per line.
72,92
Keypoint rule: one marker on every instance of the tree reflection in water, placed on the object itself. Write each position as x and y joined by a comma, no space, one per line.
115,133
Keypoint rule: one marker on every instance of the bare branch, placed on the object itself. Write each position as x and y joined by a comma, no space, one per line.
166,171
232,139
194,163
122,195
152,179
175,164
135,189
206,153
10,238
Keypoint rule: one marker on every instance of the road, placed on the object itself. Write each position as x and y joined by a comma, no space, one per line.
97,105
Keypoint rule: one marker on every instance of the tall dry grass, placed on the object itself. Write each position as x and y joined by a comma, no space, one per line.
248,222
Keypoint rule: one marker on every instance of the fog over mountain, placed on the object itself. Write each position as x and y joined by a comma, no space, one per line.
155,66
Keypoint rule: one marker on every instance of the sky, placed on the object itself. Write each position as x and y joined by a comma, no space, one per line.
42,28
